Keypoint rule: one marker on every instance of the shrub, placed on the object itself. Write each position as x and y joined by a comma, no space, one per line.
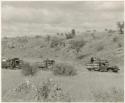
73,32
22,40
37,36
100,48
56,42
64,69
71,35
115,39
28,70
5,37
111,31
77,45
119,45
93,36
57,33
47,38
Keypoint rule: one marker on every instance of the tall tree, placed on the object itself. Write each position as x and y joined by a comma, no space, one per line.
120,27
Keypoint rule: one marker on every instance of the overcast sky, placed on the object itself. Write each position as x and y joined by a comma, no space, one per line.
40,18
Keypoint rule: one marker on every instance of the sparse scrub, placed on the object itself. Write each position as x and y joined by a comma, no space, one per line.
106,29
115,39
42,46
112,95
93,36
28,70
50,91
11,45
57,33
56,42
119,45
22,40
73,32
111,31
100,48
5,37
64,69
37,36
77,45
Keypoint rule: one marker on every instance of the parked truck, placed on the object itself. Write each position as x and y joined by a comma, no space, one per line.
101,66
13,63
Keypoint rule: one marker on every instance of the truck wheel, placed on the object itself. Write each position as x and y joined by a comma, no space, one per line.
89,69
110,70
116,71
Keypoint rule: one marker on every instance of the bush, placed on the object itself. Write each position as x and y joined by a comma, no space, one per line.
38,36
100,48
115,39
77,45
5,37
119,45
71,35
22,40
55,42
28,70
47,38
64,69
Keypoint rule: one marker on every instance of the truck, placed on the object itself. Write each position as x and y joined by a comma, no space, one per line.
101,66
11,63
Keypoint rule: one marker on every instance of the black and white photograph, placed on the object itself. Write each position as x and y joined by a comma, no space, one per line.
62,51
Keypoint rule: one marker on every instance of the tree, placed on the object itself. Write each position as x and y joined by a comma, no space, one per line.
77,45
73,32
120,27
57,33
47,38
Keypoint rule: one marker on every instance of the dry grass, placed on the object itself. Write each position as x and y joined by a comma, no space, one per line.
80,87
50,91
111,95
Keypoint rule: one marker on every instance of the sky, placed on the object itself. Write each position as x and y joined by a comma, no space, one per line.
21,18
